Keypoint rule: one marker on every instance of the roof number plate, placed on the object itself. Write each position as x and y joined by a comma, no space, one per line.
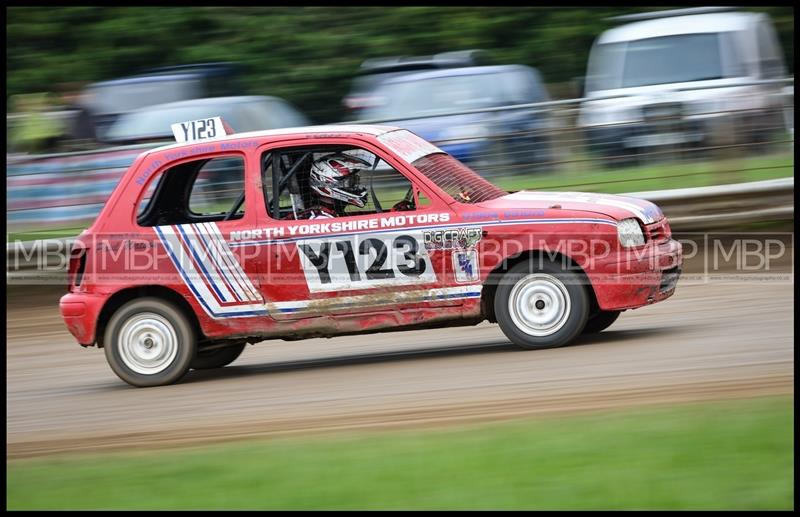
202,129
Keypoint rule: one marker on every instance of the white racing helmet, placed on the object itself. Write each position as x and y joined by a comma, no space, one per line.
335,176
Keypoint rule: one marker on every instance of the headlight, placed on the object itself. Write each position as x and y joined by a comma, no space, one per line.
630,233
461,134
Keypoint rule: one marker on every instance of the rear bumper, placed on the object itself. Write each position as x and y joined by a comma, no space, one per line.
638,277
80,312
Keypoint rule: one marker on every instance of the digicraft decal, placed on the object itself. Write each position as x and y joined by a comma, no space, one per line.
364,262
453,238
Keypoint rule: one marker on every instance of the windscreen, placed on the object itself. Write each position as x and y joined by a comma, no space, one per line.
459,181
435,96
663,60
456,179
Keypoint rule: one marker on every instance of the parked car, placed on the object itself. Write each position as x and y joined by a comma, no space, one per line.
243,113
165,286
373,72
679,78
431,104
109,99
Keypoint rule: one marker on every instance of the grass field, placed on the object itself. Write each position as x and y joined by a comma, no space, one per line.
723,455
657,176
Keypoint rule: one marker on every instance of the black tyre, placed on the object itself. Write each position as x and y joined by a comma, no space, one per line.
149,342
600,321
217,358
541,305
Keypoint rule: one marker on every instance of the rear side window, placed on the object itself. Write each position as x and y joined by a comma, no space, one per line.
198,191
218,185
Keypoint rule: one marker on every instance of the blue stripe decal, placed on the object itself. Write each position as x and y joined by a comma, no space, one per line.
214,255
178,266
199,298
200,263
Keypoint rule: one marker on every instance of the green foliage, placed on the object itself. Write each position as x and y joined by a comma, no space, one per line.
307,55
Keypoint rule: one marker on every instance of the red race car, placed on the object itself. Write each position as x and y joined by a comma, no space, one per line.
227,239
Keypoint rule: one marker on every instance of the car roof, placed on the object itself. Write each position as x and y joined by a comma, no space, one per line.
352,129
205,101
455,72
172,73
452,59
156,77
202,69
690,24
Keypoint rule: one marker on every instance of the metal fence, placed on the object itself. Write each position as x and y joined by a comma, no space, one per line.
574,144
564,137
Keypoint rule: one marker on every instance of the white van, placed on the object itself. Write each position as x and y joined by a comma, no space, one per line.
679,78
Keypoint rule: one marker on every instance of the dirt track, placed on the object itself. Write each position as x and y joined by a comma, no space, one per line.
706,342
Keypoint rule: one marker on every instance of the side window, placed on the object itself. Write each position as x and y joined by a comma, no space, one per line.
333,182
218,185
273,181
422,200
198,191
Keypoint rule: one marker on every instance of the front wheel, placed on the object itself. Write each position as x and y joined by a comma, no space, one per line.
541,305
149,342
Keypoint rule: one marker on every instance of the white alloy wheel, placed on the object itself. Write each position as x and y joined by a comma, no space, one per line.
542,305
539,304
148,343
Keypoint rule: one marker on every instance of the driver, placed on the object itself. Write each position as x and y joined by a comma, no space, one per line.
335,181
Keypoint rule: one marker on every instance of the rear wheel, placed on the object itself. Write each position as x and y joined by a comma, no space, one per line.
149,342
541,305
600,321
217,358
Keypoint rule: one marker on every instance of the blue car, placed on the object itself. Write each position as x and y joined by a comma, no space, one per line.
437,105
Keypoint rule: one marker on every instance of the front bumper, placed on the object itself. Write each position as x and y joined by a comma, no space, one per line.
637,277
649,135
80,312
